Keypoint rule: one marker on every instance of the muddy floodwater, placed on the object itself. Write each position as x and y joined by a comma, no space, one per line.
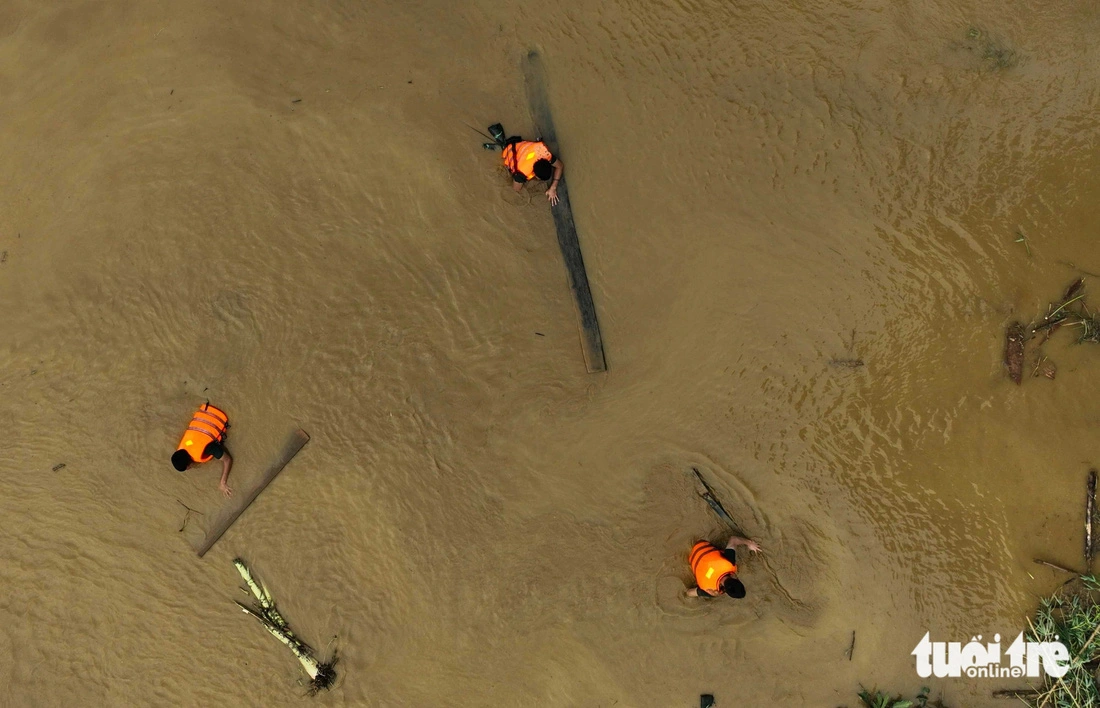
281,207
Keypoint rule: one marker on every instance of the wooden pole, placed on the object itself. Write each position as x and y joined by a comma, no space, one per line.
232,509
539,102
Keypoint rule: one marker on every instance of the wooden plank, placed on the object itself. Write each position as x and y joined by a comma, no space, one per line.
568,241
233,508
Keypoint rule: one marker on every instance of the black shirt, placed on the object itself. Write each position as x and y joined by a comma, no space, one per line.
213,449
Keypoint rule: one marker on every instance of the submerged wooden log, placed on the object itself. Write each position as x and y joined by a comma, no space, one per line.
235,507
539,102
1014,352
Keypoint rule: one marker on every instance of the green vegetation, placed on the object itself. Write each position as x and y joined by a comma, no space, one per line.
878,699
1071,616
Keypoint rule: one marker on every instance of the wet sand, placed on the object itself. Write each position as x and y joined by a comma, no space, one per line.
476,520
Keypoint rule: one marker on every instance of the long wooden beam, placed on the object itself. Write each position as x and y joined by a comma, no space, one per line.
539,102
235,507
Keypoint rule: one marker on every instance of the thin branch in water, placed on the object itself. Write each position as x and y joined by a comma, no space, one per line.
187,515
1055,566
1023,239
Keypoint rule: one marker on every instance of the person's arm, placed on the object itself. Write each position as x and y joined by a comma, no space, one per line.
552,193
736,541
227,464
517,186
694,592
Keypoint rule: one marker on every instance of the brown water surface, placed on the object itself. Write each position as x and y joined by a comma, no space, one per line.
478,521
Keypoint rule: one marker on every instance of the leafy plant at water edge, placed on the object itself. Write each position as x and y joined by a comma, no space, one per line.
1073,619
880,699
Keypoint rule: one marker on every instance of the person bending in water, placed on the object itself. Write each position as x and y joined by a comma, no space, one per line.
204,440
528,160
715,568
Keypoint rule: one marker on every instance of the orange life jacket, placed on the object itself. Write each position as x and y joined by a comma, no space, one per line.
709,566
208,425
522,156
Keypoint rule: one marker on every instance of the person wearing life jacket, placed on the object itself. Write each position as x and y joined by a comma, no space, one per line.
204,440
715,569
527,160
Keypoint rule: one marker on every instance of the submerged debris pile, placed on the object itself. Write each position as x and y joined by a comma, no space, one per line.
1069,311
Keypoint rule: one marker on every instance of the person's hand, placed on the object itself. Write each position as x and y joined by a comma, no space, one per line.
225,489
753,546
552,195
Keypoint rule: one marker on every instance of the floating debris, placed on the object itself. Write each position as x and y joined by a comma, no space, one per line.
1023,239
187,515
1014,352
58,467
990,52
1044,367
849,360
322,674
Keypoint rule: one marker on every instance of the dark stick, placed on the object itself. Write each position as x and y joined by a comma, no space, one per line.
852,646
1090,504
187,515
1055,566
715,505
1013,693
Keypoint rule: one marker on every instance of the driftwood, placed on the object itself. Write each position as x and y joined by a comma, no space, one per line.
1055,566
852,646
322,674
1014,352
709,497
1072,290
1090,505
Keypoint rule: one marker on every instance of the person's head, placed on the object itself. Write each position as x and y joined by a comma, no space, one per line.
519,177
543,169
181,460
733,587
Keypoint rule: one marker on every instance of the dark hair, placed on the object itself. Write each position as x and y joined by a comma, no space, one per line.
181,460
734,588
519,177
543,169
